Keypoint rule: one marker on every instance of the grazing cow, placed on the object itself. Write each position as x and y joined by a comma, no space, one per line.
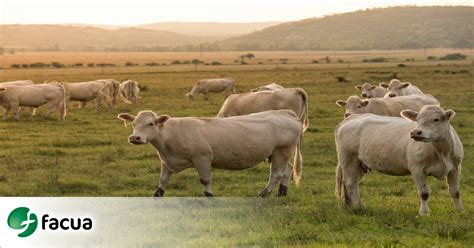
216,85
88,91
17,83
129,91
272,86
34,96
424,145
385,106
371,91
111,89
397,88
294,99
234,143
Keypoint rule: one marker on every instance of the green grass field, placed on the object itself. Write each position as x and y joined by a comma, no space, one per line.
88,155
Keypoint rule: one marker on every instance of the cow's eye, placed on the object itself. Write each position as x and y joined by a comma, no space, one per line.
359,106
400,87
151,124
436,120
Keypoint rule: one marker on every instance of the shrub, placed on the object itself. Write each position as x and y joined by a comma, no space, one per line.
24,65
216,63
431,58
57,65
401,65
342,79
175,62
340,61
260,63
315,61
90,64
453,56
236,61
15,66
375,60
128,63
243,62
186,62
152,64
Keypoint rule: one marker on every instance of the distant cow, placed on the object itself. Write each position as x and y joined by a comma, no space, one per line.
424,145
111,89
397,88
17,83
216,85
87,91
272,86
234,143
129,91
385,106
371,91
34,96
294,99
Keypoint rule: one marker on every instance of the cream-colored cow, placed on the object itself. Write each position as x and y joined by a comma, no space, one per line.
385,106
215,85
272,86
34,96
234,143
397,88
17,83
129,91
87,91
424,145
371,91
294,99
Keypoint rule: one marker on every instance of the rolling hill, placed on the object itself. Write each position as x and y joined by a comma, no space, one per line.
405,27
209,28
50,37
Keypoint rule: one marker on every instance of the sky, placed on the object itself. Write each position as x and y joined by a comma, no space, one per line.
134,12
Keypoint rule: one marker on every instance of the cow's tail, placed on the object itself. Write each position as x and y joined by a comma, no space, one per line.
298,162
62,104
115,90
339,184
122,93
233,86
106,96
304,113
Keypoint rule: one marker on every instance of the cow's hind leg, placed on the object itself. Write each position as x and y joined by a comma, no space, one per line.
5,114
278,167
453,184
165,176
204,170
283,189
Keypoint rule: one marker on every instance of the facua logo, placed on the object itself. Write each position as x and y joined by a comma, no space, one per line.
22,218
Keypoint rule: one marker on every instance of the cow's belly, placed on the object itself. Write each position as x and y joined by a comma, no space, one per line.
82,97
32,101
386,162
240,158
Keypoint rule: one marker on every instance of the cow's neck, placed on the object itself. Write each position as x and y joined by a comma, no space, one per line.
444,147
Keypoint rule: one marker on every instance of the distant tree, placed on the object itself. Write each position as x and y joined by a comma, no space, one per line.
196,62
250,56
242,57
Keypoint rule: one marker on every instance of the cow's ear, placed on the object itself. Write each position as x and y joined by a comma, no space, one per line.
365,103
449,114
126,117
2,89
404,85
359,87
341,103
384,85
162,119
409,114
372,87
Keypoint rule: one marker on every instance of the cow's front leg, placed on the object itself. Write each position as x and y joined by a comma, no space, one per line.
205,175
165,176
423,191
453,184
5,114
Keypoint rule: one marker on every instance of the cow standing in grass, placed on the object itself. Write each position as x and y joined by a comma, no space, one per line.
397,88
424,145
129,91
216,85
234,143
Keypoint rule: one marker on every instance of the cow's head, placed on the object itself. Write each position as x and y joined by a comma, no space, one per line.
190,96
433,123
395,88
353,105
367,90
145,126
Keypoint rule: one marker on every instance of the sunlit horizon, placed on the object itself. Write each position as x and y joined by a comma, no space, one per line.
132,13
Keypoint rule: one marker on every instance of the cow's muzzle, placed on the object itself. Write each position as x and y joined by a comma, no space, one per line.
392,95
417,135
136,140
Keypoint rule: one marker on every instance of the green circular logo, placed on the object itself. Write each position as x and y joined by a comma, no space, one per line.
22,219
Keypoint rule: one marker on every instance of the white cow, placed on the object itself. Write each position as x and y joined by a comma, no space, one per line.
397,88
371,91
424,145
215,85
88,91
34,96
129,91
385,106
234,143
272,86
294,99
111,89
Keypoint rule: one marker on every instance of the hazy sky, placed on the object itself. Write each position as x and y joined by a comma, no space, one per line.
132,12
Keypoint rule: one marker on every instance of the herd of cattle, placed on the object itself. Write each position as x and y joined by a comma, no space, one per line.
395,129
57,95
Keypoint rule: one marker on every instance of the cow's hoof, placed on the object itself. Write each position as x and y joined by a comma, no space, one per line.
159,193
207,194
283,190
264,193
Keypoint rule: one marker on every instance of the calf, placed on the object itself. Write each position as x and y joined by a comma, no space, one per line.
371,91
397,88
234,143
424,145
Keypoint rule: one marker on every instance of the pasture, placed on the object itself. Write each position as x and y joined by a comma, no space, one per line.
88,155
